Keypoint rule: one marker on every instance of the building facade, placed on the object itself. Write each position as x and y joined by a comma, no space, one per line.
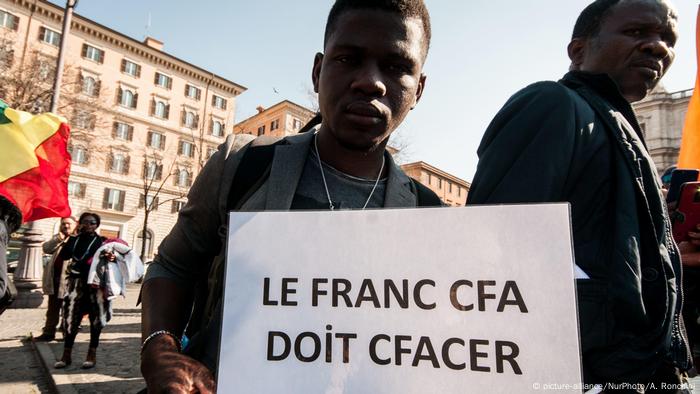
451,190
282,119
143,122
661,116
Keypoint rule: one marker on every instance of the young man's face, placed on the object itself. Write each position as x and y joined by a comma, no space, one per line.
67,226
634,46
369,77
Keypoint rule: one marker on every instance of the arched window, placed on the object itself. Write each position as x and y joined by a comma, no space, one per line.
89,86
183,178
160,109
127,98
189,119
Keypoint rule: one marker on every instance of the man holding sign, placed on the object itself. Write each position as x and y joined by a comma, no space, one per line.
367,80
578,140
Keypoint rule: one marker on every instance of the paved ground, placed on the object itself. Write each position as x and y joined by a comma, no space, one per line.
117,369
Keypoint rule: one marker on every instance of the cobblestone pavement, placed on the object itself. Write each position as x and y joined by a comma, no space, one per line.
117,369
20,370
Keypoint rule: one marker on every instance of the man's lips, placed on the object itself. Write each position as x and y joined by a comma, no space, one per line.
365,113
653,68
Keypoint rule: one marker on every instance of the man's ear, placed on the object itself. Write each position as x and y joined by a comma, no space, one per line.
316,71
577,52
419,90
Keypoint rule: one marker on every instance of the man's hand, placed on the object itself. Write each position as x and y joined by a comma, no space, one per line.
167,371
690,250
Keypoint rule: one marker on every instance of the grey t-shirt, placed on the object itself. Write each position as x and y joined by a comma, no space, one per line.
346,191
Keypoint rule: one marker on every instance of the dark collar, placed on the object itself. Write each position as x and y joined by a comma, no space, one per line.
607,89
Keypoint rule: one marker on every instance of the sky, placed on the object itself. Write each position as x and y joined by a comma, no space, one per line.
482,51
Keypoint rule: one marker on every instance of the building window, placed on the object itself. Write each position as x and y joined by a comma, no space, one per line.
152,171
92,53
193,92
184,178
131,68
118,163
439,183
177,206
275,124
217,128
49,36
46,70
296,124
123,131
127,97
84,119
148,244
156,140
218,102
113,199
189,119
459,191
90,86
186,148
9,21
78,155
261,130
163,81
160,109
76,189
449,187
150,202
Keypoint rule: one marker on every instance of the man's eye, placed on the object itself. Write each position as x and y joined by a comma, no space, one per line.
345,59
399,68
634,32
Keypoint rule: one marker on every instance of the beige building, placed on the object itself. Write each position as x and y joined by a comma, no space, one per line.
282,119
451,190
142,120
661,116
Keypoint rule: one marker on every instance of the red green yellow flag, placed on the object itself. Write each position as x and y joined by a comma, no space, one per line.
689,156
34,163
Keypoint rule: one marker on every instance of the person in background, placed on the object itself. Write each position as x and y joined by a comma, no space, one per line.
10,220
80,299
54,278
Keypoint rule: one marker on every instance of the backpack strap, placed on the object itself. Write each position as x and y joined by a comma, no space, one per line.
252,171
424,196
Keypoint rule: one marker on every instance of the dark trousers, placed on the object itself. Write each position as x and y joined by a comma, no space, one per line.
53,312
95,332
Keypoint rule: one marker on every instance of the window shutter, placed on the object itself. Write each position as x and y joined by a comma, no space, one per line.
98,86
123,66
122,196
81,82
15,22
127,162
142,200
149,138
83,52
162,142
159,172
224,104
196,121
105,199
173,206
110,161
144,169
81,190
182,117
115,126
155,79
100,56
170,83
179,147
138,71
136,99
189,179
120,92
223,129
153,107
42,32
155,204
130,134
167,111
93,120
213,100
187,87
199,94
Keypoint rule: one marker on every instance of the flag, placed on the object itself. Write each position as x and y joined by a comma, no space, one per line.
689,156
34,163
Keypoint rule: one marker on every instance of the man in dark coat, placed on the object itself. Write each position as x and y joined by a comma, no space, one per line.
578,140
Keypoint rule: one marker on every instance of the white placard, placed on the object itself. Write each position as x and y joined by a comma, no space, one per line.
442,300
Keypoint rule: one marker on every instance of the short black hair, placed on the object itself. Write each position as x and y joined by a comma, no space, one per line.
405,8
591,18
86,214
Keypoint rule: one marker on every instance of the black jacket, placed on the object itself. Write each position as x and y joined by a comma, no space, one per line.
578,140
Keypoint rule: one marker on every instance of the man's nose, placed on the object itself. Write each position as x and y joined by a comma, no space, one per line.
659,48
369,80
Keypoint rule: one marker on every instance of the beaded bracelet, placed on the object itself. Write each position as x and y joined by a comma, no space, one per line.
178,342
